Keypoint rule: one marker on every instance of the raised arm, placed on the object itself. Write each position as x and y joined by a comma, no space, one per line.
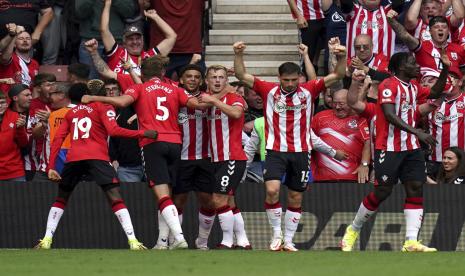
239,67
107,37
410,41
356,88
458,13
411,17
46,15
166,44
340,52
300,21
326,4
9,41
309,69
100,65
438,87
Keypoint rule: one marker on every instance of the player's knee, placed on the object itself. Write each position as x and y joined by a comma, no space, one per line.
220,200
294,199
382,192
414,189
180,200
272,192
112,192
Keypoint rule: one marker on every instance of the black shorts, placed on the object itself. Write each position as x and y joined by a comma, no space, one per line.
194,175
295,165
432,168
102,172
161,161
228,175
404,165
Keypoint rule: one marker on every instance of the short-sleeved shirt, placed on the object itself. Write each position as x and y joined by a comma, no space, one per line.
19,70
288,114
429,57
119,53
157,107
404,96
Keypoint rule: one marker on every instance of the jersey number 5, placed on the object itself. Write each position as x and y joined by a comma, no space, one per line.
82,125
165,112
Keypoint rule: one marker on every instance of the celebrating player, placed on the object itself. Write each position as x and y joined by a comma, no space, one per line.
89,126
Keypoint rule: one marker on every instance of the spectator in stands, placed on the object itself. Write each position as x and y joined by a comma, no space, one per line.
21,98
78,73
60,103
336,25
452,170
186,18
54,35
311,24
89,13
12,138
124,153
132,49
254,110
342,129
366,60
39,112
369,17
16,61
421,11
26,13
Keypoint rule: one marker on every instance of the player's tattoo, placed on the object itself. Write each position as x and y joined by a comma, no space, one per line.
402,33
99,63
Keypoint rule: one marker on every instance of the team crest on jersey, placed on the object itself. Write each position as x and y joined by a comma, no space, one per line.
460,105
182,118
454,55
352,124
12,125
426,35
458,180
279,107
301,95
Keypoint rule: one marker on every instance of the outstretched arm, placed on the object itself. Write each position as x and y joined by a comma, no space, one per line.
119,101
46,15
239,67
356,87
339,51
410,41
309,69
100,65
166,44
107,37
411,17
438,87
458,13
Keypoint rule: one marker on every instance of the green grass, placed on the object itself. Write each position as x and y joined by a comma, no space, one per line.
238,263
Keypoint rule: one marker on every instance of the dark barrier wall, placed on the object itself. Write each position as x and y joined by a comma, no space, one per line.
89,223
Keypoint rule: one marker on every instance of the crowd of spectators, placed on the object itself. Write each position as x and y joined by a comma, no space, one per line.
108,39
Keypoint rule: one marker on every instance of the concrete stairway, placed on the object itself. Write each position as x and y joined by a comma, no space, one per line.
266,26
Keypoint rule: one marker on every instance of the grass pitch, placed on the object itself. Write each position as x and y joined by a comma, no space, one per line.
238,263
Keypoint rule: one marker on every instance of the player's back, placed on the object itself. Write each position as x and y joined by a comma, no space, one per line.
87,131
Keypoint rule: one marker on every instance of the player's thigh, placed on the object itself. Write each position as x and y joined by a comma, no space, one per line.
275,165
413,167
203,181
228,175
387,167
185,177
298,171
156,163
103,174
71,175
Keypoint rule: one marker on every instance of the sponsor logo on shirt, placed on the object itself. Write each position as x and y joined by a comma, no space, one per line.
183,117
336,17
441,117
280,107
406,106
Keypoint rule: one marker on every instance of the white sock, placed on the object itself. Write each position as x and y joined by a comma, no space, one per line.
170,214
205,225
180,218
291,221
227,225
363,215
413,220
125,220
163,231
239,230
54,217
274,218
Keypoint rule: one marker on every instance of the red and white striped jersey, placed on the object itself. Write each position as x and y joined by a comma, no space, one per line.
422,33
119,53
310,9
405,97
373,23
19,70
226,133
348,134
32,159
428,56
446,124
370,115
194,131
288,115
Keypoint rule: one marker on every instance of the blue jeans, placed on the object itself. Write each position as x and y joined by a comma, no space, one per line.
84,57
131,174
17,179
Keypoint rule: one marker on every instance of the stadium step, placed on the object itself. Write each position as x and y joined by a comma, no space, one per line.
254,52
253,21
252,6
259,37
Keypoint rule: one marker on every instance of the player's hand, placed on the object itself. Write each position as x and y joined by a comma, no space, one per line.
150,13
115,164
248,127
127,66
43,115
132,119
91,45
86,99
301,22
445,59
19,29
303,49
341,155
357,64
207,98
362,172
358,75
151,134
11,28
54,175
7,81
21,122
392,14
239,47
196,58
426,138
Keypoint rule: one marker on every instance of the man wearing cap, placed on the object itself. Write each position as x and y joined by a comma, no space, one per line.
16,61
132,50
12,132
